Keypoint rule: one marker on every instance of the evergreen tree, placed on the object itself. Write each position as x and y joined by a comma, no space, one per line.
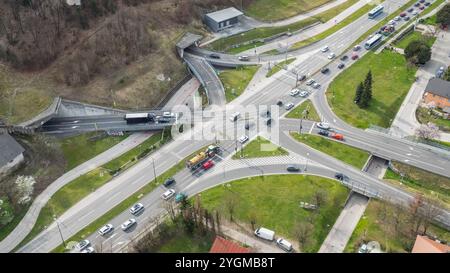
358,94
368,85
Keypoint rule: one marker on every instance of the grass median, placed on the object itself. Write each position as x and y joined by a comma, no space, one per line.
260,147
278,67
350,155
297,112
235,81
414,36
269,10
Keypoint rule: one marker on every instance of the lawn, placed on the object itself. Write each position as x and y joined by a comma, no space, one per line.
236,80
431,20
229,44
81,148
273,202
424,116
343,152
432,185
269,10
187,243
277,67
127,203
297,112
354,16
392,80
413,36
375,226
260,147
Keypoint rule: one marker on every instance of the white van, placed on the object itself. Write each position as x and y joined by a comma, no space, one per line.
235,116
265,233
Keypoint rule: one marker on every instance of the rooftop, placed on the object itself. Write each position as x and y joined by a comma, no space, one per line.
439,87
222,245
224,14
424,244
9,148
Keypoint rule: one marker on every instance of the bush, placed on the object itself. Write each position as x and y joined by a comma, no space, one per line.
418,52
443,16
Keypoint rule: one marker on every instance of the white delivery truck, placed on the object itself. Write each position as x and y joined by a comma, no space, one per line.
265,233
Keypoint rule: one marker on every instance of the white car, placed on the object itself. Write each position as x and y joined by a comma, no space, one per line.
392,22
136,208
294,92
168,114
303,93
310,81
128,223
105,229
397,18
88,250
414,12
289,106
244,58
82,245
323,125
331,55
285,245
243,139
316,85
169,193
324,49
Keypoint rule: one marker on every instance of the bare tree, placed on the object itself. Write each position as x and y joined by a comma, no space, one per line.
320,197
428,131
231,202
303,232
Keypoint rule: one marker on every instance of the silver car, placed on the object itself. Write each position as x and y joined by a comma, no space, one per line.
105,229
289,106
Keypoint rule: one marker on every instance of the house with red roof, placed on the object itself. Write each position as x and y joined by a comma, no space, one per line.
222,245
424,244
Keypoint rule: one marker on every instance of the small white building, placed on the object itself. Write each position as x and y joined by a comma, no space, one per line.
11,154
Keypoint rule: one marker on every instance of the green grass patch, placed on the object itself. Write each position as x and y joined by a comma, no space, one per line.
127,203
5,230
269,10
424,116
81,148
260,147
277,67
350,155
357,14
297,112
413,36
182,242
430,20
236,80
240,48
378,224
392,80
273,202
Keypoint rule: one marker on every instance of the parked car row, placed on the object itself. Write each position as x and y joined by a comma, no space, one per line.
269,235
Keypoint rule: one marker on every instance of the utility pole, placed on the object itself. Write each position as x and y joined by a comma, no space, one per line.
60,233
300,128
154,171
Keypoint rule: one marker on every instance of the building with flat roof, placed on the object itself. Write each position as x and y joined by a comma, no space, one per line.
11,153
222,19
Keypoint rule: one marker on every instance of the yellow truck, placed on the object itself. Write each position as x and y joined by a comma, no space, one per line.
201,157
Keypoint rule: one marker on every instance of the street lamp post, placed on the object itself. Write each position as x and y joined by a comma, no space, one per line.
154,170
59,229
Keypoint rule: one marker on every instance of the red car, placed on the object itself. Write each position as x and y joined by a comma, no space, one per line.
208,165
403,14
355,56
337,136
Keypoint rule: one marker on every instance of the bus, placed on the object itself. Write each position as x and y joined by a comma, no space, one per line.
373,41
138,117
376,11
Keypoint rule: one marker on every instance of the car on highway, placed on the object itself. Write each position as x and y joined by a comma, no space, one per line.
323,125
355,56
128,223
167,194
340,176
303,93
421,1
289,106
136,208
397,18
88,250
180,197
337,136
301,78
341,65
417,4
325,70
316,85
169,181
325,49
214,56
285,245
410,10
356,48
268,122
414,12
422,7
247,126
294,92
406,18
82,245
243,139
235,116
331,55
403,14
168,114
244,58
323,132
208,165
105,229
392,22
279,102
293,168
427,4
344,58
310,82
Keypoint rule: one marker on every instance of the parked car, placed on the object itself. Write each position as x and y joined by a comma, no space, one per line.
244,58
324,49
316,85
88,250
310,82
105,229
341,65
265,233
324,70
208,165
169,181
343,58
293,168
180,197
289,106
243,139
294,92
82,245
323,125
136,208
302,78
285,245
331,55
356,48
323,132
303,93
214,56
128,223
337,136
168,194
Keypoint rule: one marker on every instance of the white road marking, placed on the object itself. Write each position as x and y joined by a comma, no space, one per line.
312,127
